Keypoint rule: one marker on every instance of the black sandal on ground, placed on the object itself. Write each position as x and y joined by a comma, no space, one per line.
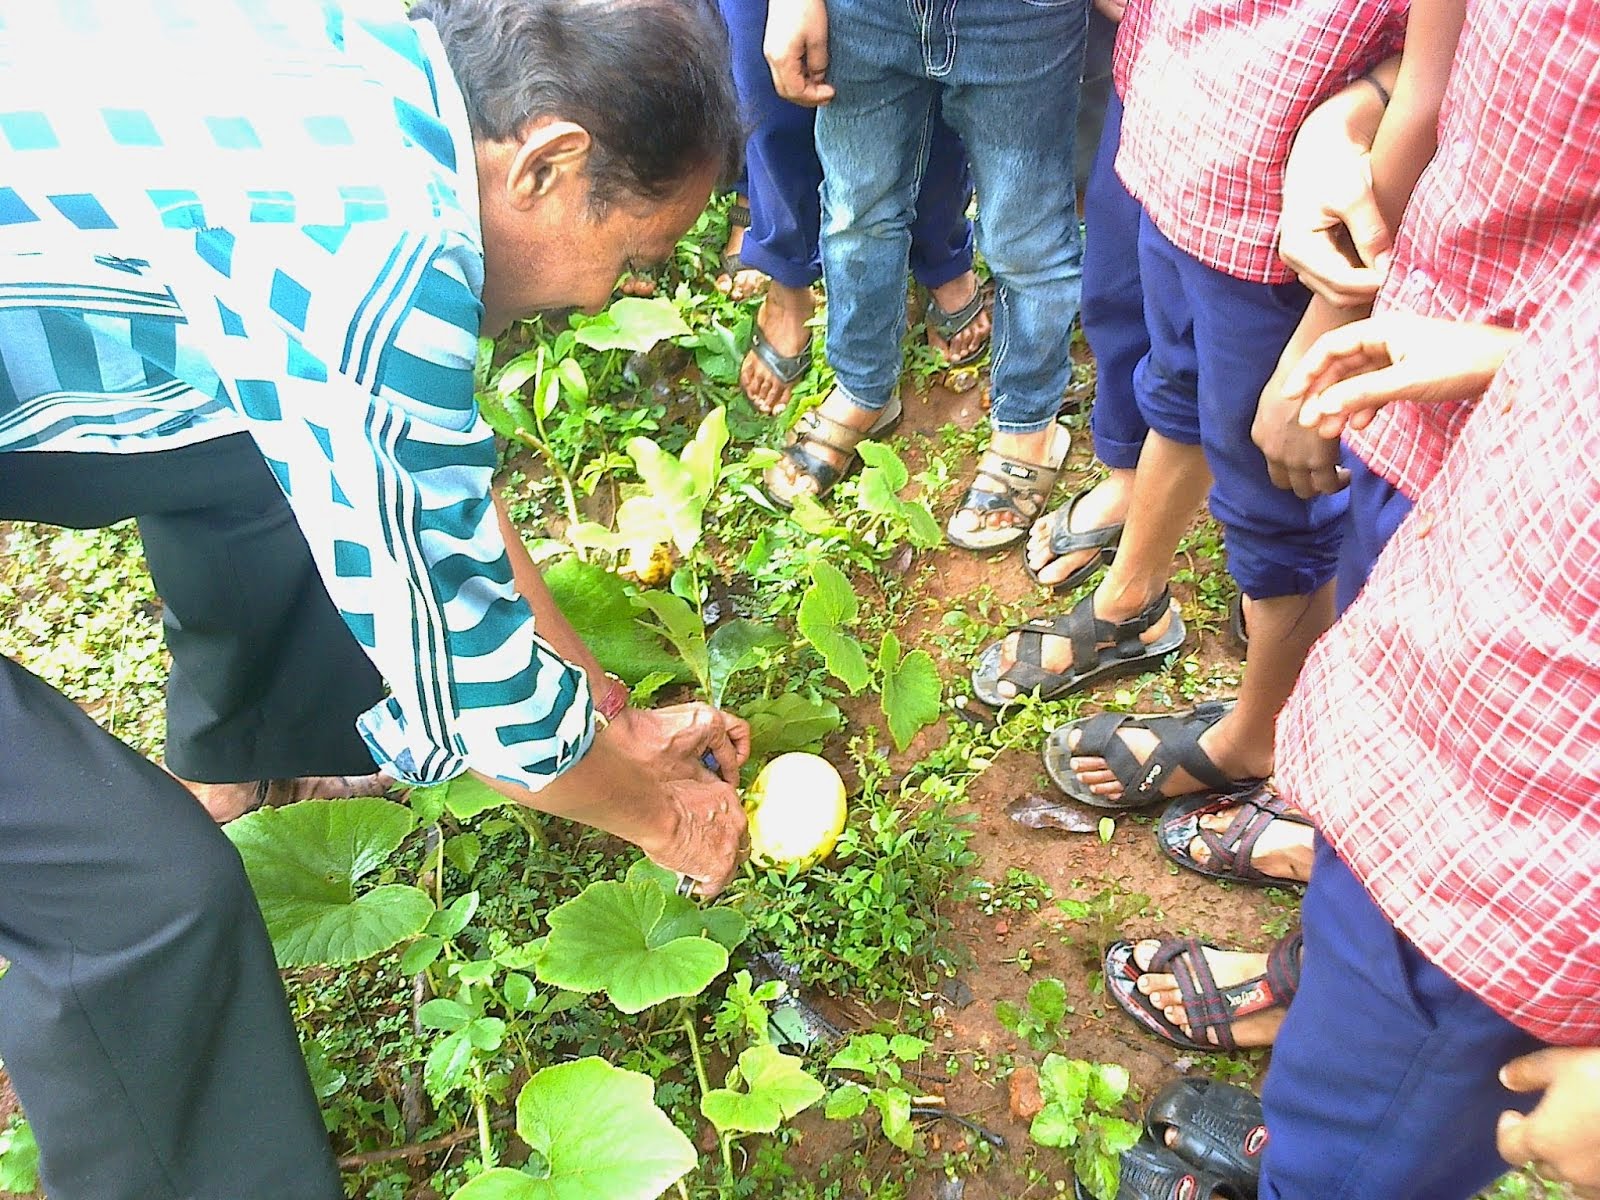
1023,487
1210,1009
1259,807
1218,1127
731,263
785,368
816,429
1101,650
951,325
1150,1171
1063,541
1177,748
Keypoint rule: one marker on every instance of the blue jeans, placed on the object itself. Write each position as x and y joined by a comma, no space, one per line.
782,176
1007,73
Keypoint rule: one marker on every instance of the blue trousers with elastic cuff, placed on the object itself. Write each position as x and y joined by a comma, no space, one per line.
1383,1078
1214,343
782,176
1113,304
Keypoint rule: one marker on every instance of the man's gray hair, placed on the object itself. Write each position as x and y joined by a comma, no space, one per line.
651,80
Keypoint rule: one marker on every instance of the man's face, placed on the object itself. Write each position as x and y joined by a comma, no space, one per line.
561,252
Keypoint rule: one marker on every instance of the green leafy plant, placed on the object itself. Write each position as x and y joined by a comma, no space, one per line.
304,861
879,1060
19,1158
910,690
789,722
1102,917
595,1131
828,610
1037,1020
1082,1103
877,492
597,603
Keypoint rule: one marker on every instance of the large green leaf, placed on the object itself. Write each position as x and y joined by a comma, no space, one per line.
680,487
776,1088
732,647
600,1134
613,937
597,604
827,610
877,491
304,861
632,323
789,722
911,690
681,625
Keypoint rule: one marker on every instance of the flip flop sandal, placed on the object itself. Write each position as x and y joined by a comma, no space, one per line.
815,429
1177,747
738,218
1063,541
786,368
1149,1171
1231,850
1101,650
1218,1127
1024,487
950,325
1211,1009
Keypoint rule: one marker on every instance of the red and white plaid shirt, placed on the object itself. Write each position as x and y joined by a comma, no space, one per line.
1494,226
1445,734
1213,92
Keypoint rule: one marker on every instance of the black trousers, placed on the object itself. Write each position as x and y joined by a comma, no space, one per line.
142,1021
266,680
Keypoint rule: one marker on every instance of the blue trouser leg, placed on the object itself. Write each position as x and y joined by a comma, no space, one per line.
1383,1078
1214,343
941,235
1113,304
782,175
1009,86
1376,509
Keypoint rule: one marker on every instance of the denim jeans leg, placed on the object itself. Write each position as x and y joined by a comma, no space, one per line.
872,139
1010,72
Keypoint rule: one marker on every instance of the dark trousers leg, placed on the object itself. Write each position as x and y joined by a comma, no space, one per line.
142,1021
266,680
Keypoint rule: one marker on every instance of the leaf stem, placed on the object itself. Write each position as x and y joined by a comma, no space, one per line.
480,1104
528,437
723,1141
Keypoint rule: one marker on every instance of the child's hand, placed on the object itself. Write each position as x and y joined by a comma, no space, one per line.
1350,373
1330,231
1299,460
1561,1137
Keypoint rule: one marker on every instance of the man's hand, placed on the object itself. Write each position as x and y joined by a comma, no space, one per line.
1350,373
1331,231
1561,1137
697,827
796,48
1299,460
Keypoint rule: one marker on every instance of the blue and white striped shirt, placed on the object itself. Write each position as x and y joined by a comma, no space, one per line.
262,215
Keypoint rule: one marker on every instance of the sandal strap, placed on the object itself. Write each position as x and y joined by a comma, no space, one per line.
1216,1126
1153,1172
947,324
1232,849
1214,1009
785,368
1283,965
1064,541
1093,639
739,215
1020,482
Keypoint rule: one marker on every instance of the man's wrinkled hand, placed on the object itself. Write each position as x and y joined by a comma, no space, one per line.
796,49
1331,232
700,824
1561,1136
1299,460
1350,373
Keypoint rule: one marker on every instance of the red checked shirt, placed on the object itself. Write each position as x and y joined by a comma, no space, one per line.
1213,92
1445,734
1494,226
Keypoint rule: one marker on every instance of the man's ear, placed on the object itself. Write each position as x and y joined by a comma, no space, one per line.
552,154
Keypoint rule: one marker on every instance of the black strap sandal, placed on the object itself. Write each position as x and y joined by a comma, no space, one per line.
738,218
1218,1127
1238,631
816,429
1177,748
1210,1009
1022,490
1101,650
785,368
1149,1171
1230,850
950,325
1063,541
